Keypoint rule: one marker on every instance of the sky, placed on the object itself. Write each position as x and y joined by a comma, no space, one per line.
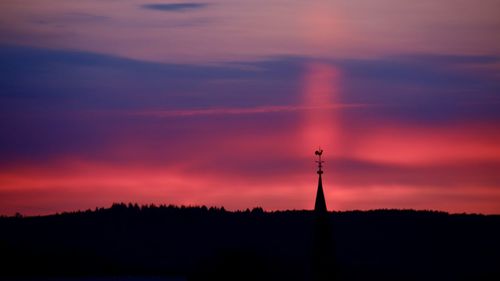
223,103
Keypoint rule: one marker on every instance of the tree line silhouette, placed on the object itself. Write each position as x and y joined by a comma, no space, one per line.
210,243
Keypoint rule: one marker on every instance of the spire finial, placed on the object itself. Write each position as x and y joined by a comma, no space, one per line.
320,205
320,163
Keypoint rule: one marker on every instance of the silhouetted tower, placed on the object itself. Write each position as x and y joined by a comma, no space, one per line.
320,204
323,262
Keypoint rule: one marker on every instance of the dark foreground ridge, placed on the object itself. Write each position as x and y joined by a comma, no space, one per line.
200,243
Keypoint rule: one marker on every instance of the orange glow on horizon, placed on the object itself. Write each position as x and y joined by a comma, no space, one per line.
72,186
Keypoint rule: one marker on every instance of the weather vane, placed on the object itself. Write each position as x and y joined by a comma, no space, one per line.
320,163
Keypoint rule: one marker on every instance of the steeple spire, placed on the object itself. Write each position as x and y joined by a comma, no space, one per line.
320,204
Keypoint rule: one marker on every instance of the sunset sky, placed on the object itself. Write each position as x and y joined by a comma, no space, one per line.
223,102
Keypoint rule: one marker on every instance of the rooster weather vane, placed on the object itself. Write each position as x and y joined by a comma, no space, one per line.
320,162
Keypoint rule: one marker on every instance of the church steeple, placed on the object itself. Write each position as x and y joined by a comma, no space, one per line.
320,204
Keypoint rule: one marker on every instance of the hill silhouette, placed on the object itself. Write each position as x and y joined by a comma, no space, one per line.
202,243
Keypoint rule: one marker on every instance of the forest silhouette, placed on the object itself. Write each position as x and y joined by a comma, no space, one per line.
201,243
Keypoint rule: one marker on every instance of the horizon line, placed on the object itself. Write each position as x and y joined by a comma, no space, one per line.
223,209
